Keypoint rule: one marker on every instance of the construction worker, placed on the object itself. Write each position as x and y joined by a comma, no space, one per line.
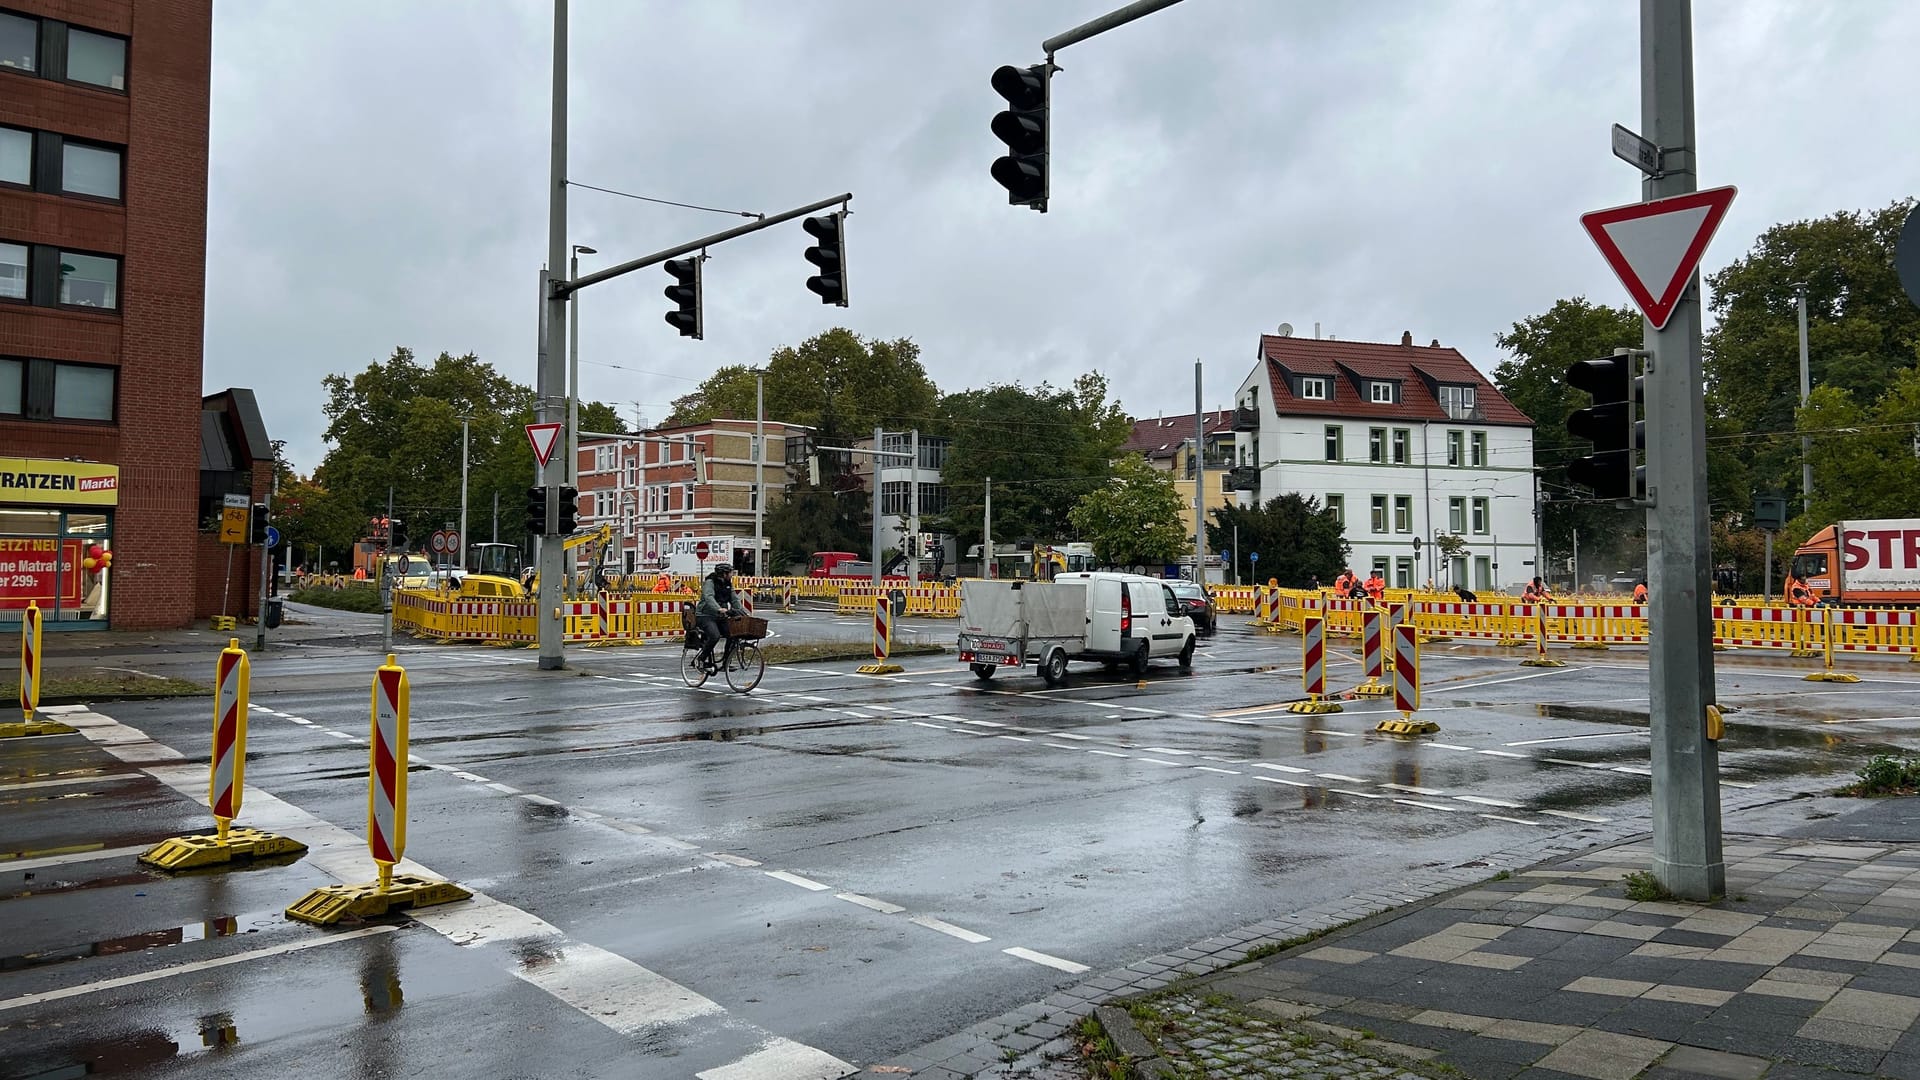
1536,593
1343,585
663,582
1799,593
1640,593
1376,586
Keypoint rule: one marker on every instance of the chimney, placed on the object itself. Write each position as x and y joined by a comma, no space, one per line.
1406,338
1434,344
1316,331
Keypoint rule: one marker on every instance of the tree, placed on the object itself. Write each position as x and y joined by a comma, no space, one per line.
811,519
1134,519
1296,539
835,378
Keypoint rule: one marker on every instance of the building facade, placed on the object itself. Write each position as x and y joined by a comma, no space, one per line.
1167,444
1408,445
103,214
899,478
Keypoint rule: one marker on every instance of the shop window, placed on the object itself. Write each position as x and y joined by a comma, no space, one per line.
57,560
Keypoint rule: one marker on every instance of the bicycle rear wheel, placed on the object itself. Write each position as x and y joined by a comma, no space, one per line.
691,672
745,667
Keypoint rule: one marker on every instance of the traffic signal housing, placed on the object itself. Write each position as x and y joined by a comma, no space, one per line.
829,250
537,510
257,524
685,293
397,535
1612,424
569,511
1023,127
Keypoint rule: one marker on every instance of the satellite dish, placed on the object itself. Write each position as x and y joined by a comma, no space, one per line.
1286,329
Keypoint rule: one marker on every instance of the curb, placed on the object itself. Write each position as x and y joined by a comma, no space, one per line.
1126,1038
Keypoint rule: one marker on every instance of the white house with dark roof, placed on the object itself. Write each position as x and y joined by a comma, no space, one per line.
1405,442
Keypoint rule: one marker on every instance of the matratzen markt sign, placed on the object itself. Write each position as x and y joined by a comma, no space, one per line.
45,482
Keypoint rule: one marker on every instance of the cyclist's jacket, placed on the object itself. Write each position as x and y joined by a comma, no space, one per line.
717,600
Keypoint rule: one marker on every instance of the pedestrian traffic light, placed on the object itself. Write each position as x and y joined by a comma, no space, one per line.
1023,127
829,232
537,510
258,524
569,511
1612,424
685,292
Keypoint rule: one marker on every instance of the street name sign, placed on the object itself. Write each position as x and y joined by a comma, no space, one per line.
543,437
1636,151
1654,247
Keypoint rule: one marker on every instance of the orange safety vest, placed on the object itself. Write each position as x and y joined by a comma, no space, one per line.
1639,594
1375,586
663,583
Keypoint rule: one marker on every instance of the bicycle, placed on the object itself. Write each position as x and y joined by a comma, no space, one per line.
741,662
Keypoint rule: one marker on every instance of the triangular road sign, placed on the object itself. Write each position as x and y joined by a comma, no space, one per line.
1654,247
543,437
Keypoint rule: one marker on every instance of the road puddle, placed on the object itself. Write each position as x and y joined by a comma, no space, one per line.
219,926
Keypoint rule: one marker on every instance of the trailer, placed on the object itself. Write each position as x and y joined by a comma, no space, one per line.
1007,624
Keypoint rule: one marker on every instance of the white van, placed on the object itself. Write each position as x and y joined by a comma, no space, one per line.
1132,619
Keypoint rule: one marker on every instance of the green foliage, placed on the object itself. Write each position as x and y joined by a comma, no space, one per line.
1886,775
1296,539
356,597
1044,447
810,519
835,381
1864,461
1134,519
1643,887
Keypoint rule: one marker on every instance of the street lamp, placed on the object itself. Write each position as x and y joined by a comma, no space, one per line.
573,368
759,468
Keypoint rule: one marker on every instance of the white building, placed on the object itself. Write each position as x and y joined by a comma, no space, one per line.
1405,443
897,479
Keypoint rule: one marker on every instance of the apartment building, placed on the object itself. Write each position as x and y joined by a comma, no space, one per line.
1167,442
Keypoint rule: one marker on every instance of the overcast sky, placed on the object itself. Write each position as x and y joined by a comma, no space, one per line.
380,166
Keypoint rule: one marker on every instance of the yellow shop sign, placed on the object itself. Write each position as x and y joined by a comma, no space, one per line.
58,483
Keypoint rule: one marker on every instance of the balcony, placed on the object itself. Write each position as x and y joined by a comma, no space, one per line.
1214,463
1243,478
1246,418
1468,412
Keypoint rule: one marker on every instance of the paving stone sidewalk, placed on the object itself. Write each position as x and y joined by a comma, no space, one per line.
1809,969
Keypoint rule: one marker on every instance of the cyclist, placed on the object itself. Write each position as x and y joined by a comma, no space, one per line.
717,602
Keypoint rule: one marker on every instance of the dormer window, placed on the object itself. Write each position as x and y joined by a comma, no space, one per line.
1314,388
1381,391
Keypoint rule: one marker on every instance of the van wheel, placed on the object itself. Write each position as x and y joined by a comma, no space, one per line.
1054,668
983,672
1186,656
1137,664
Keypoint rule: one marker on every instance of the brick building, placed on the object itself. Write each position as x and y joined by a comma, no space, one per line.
103,215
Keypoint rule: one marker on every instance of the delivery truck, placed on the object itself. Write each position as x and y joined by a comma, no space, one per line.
1863,563
1117,619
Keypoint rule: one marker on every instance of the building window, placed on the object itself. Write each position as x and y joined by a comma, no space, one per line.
13,271
13,374
1333,442
933,499
1458,402
1481,512
1403,513
893,498
1377,445
89,170
1382,392
1402,437
89,280
686,496
19,42
1337,506
1459,565
16,156
1482,573
1380,567
1313,387
96,59
1403,572
1479,447
1456,447
82,392
1379,513
1456,516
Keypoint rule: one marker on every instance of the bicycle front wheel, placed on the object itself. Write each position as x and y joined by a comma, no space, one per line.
745,667
691,672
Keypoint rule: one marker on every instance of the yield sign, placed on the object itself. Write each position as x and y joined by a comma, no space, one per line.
543,436
1654,247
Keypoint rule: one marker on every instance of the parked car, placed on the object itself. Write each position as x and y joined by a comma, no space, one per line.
1197,601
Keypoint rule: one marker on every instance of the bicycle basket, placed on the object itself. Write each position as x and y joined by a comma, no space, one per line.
746,626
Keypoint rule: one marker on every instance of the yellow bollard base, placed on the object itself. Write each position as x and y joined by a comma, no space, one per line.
222,622
1428,639
1404,726
188,852
1601,645
1832,676
879,669
1804,654
1542,661
1373,689
1314,708
330,904
1509,643
23,729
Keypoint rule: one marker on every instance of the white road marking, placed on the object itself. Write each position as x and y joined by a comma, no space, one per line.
1448,745
880,906
1211,769
1727,783
68,781
1166,750
1576,817
1572,738
1637,770
1582,764
1282,780
1341,734
1426,805
1158,761
780,1059
936,727
11,865
1484,801
730,859
1106,753
1361,794
1279,768
1516,678
1411,790
339,734
188,969
1502,753
1067,966
1071,735
1059,746
471,777
796,879
504,789
301,720
975,723
1013,738
540,799
1222,719
1510,820
1340,776
949,929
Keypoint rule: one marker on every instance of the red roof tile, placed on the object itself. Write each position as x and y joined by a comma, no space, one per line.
1158,437
1418,369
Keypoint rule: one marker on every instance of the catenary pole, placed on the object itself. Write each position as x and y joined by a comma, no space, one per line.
550,403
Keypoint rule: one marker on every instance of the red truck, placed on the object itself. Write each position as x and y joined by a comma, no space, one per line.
847,566
1863,563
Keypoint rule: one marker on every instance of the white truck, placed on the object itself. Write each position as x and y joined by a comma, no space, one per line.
1114,618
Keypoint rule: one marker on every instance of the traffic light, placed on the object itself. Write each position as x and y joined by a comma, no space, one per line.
537,510
397,535
1611,424
685,292
829,251
258,524
569,511
1023,127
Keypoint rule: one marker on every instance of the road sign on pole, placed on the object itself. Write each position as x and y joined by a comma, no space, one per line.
543,437
1636,151
273,537
1654,247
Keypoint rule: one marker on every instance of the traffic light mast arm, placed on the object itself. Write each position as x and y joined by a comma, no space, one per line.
562,289
1096,27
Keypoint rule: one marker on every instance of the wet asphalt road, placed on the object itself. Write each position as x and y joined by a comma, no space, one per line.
827,872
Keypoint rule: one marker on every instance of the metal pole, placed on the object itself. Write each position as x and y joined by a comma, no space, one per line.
759,468
1806,388
628,267
1104,23
552,372
1236,553
382,584
461,556
496,516
913,506
1199,481
992,565
1767,592
266,571
877,436
573,375
1687,856
1575,568
1539,530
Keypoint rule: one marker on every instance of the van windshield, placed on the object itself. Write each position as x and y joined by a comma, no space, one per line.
1811,565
